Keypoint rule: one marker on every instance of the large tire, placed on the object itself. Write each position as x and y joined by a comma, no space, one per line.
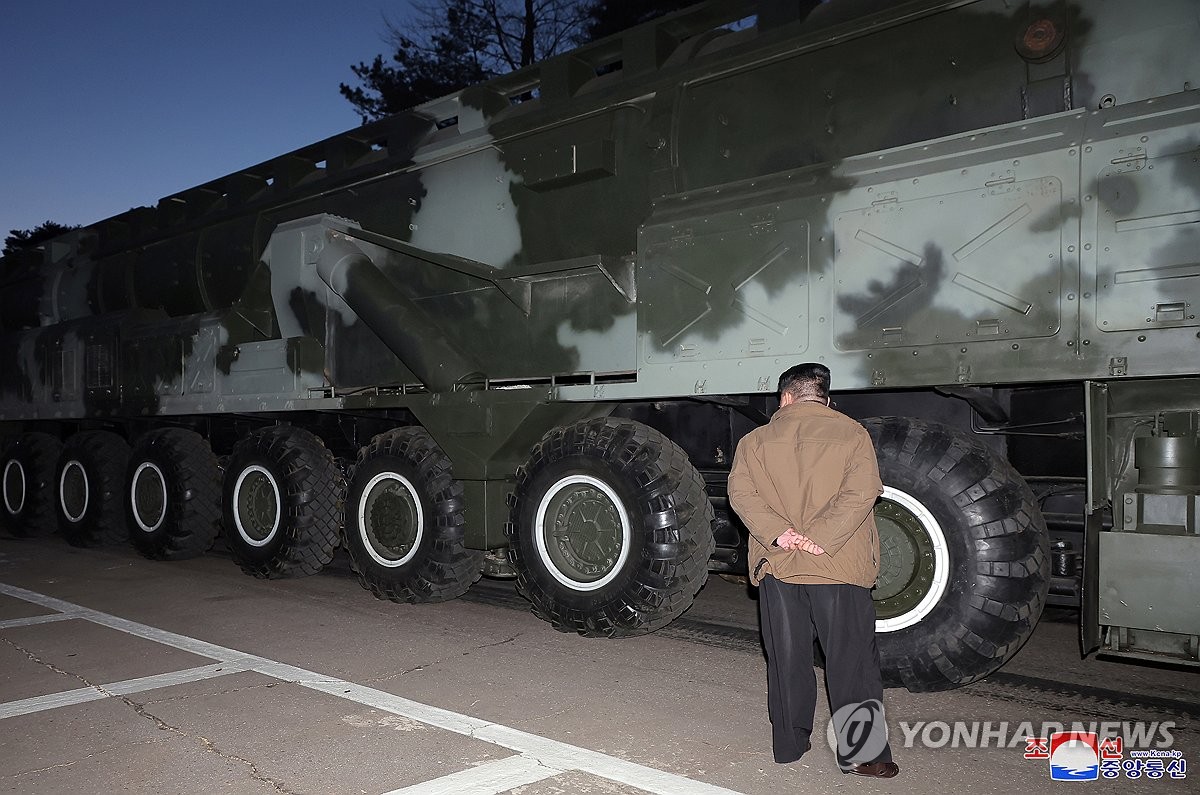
404,521
282,503
27,493
89,487
173,495
965,556
635,529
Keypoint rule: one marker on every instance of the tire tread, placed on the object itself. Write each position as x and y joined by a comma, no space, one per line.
450,568
1005,584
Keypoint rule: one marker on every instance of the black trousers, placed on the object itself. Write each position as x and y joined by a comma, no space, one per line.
843,617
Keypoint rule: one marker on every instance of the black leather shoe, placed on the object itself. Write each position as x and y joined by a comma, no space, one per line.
876,769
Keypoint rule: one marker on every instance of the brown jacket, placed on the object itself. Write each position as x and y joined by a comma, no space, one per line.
813,469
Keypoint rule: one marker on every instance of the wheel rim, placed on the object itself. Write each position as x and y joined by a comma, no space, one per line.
14,487
582,532
73,491
148,496
391,521
256,506
915,561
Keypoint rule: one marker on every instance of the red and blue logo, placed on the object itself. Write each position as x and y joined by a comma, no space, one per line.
1074,756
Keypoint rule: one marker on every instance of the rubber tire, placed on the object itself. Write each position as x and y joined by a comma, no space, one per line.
103,456
442,567
311,488
37,455
191,474
998,547
669,513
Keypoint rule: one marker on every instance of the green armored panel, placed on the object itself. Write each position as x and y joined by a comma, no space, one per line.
538,320
726,286
1147,238
1148,581
153,366
918,267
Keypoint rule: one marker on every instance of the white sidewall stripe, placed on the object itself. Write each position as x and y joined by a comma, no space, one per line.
407,485
237,517
539,532
20,471
73,464
941,563
140,472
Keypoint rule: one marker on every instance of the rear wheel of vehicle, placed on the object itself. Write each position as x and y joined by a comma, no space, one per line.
91,474
405,530
611,529
282,503
173,495
965,560
27,493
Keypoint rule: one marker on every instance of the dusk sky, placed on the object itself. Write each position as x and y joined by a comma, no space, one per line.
112,104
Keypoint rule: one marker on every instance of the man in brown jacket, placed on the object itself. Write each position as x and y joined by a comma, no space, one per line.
805,485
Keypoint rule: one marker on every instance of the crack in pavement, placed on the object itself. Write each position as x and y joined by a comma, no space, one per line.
492,645
440,660
46,664
211,747
93,755
140,710
211,693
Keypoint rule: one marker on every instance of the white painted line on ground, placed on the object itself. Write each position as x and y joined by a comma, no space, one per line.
31,621
550,753
198,674
81,695
491,778
27,706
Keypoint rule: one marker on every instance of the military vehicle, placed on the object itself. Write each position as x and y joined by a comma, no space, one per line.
519,331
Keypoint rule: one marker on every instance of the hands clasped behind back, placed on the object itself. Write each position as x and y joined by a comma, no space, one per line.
793,541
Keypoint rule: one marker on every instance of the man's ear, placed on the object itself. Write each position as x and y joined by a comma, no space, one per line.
786,399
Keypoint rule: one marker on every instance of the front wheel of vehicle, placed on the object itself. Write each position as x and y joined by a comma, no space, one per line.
611,529
965,562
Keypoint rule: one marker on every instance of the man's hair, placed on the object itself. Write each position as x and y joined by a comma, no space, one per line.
808,381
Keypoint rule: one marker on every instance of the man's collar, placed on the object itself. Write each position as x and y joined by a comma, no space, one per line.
807,405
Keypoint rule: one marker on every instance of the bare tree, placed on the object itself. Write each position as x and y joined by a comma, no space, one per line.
450,44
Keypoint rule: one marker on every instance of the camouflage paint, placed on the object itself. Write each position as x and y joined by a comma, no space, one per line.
920,194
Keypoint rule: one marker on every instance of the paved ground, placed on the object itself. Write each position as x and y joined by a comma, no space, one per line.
120,674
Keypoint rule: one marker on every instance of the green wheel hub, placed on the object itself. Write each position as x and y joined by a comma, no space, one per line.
914,561
73,491
256,505
583,532
149,494
391,519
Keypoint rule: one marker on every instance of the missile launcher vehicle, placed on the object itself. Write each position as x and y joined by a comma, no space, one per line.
519,330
